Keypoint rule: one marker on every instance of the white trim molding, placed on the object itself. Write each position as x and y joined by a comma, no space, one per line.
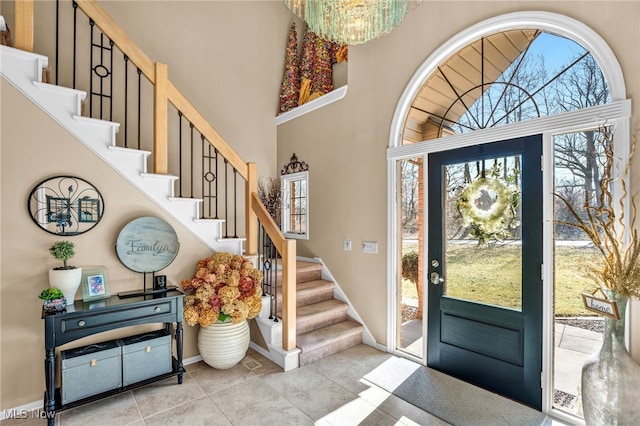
326,99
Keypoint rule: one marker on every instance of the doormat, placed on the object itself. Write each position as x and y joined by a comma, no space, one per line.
450,399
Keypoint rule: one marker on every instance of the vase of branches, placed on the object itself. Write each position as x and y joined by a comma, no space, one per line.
269,192
610,377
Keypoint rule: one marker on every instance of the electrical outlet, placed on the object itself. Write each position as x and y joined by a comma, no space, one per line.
346,245
370,247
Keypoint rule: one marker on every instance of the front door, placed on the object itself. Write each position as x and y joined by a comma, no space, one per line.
485,266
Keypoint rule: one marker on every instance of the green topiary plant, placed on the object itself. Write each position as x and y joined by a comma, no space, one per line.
63,250
410,266
410,272
51,293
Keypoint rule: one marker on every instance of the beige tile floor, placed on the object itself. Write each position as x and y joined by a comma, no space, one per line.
257,392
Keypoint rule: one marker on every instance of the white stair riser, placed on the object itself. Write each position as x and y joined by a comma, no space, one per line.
132,159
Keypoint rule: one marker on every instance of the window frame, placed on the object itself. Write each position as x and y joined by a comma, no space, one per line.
287,227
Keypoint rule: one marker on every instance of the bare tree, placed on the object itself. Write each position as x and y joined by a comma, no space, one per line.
582,86
409,196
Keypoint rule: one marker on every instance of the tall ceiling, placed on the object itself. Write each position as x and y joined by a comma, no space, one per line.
450,90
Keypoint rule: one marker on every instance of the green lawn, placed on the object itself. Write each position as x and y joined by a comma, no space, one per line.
492,276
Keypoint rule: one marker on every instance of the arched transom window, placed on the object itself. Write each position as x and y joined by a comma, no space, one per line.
504,78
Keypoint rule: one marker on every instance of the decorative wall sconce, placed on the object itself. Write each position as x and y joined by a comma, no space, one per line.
65,205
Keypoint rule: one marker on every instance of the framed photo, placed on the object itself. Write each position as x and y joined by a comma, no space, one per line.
95,283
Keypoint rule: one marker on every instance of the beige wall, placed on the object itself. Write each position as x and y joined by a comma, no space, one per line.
227,58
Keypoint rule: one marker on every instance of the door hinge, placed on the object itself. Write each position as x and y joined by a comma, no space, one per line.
542,163
542,271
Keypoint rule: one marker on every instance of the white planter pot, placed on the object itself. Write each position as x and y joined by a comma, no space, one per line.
67,280
223,345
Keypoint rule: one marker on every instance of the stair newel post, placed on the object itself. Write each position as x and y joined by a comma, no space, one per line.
160,119
23,25
289,295
251,219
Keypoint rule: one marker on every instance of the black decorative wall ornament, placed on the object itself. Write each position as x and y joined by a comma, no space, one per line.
294,166
65,205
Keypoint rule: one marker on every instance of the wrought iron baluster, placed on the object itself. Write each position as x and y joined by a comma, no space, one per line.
102,72
268,272
111,80
191,164
274,255
180,152
216,152
204,178
92,25
126,100
57,37
235,203
75,42
208,176
139,115
101,80
226,197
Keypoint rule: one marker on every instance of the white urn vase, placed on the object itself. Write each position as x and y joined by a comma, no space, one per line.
222,345
67,280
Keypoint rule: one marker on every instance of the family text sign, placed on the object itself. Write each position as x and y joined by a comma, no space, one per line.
600,305
147,244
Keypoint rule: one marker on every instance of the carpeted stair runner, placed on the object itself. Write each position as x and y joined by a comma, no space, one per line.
322,324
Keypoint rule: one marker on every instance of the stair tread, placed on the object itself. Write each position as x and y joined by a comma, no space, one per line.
314,285
321,307
326,335
302,265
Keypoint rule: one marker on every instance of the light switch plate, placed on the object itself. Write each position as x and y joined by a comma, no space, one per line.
346,245
370,247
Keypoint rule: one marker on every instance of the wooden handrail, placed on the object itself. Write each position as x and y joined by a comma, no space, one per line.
181,103
287,249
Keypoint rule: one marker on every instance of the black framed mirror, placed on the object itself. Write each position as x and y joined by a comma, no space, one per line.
65,205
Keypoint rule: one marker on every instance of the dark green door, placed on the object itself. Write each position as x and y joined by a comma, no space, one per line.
485,266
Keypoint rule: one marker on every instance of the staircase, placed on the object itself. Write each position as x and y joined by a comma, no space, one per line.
24,71
322,324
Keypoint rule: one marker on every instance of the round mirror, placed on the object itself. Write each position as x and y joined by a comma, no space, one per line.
65,205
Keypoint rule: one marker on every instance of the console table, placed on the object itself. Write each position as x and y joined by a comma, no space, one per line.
83,319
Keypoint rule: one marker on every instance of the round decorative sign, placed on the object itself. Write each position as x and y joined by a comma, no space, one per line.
147,244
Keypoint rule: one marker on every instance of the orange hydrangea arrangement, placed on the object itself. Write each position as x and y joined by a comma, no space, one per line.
225,286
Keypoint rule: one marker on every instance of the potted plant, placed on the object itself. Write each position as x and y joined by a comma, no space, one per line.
224,292
66,278
54,299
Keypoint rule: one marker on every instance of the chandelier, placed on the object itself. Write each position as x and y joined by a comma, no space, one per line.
350,21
